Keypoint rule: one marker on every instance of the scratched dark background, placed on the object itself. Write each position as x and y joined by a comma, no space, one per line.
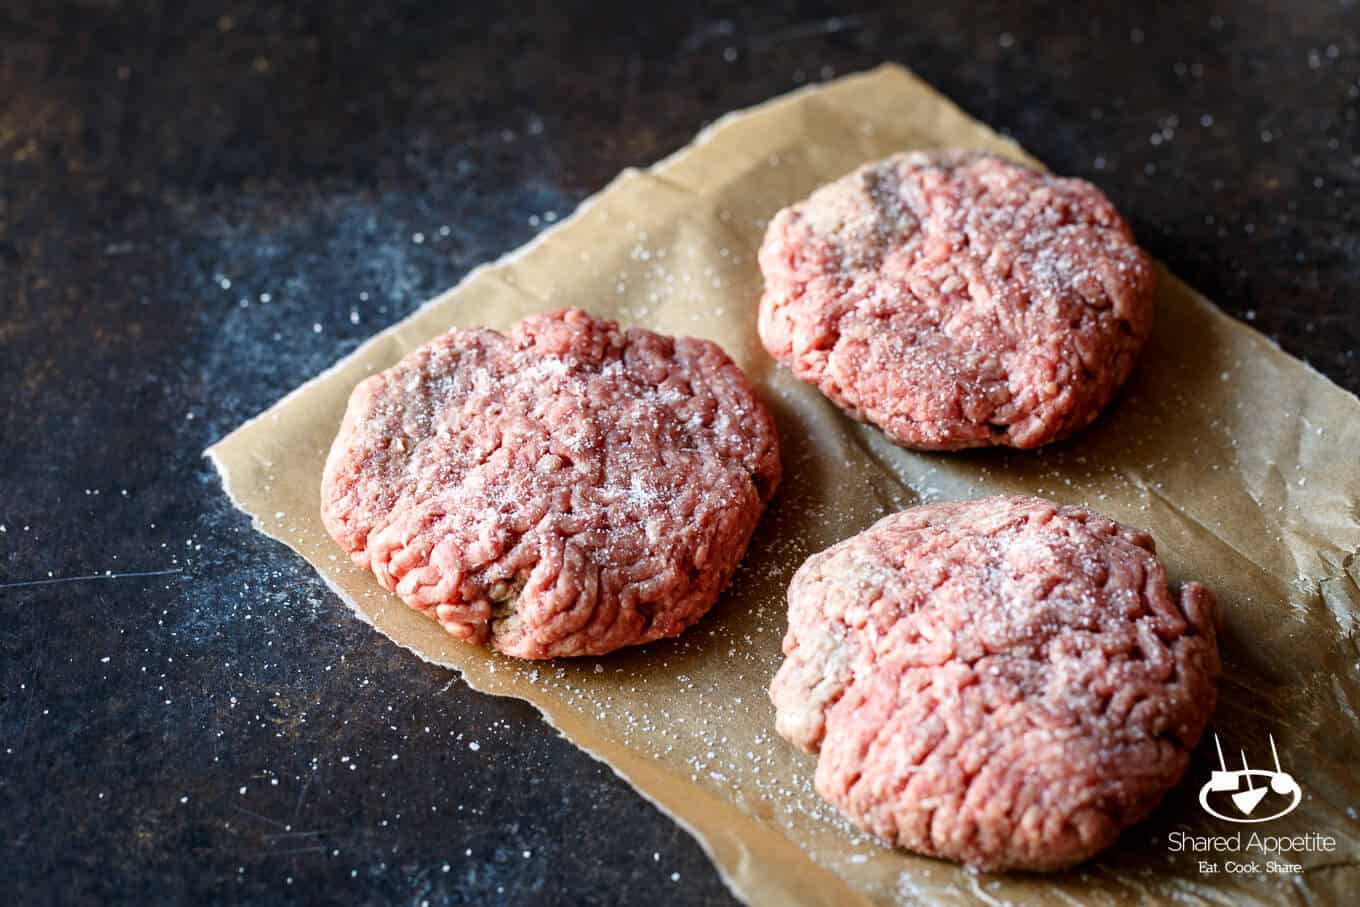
203,204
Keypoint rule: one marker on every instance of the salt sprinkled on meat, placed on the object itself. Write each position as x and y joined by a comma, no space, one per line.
957,300
566,489
1005,682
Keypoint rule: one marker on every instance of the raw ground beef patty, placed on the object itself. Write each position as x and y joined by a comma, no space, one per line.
568,488
956,300
1004,682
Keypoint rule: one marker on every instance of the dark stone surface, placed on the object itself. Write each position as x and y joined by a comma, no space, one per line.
226,731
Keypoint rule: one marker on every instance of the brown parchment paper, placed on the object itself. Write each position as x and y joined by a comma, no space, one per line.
1242,462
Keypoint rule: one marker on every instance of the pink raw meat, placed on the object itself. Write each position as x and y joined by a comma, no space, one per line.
1004,682
566,489
957,300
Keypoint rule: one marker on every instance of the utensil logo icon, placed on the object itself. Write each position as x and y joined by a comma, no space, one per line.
1244,789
